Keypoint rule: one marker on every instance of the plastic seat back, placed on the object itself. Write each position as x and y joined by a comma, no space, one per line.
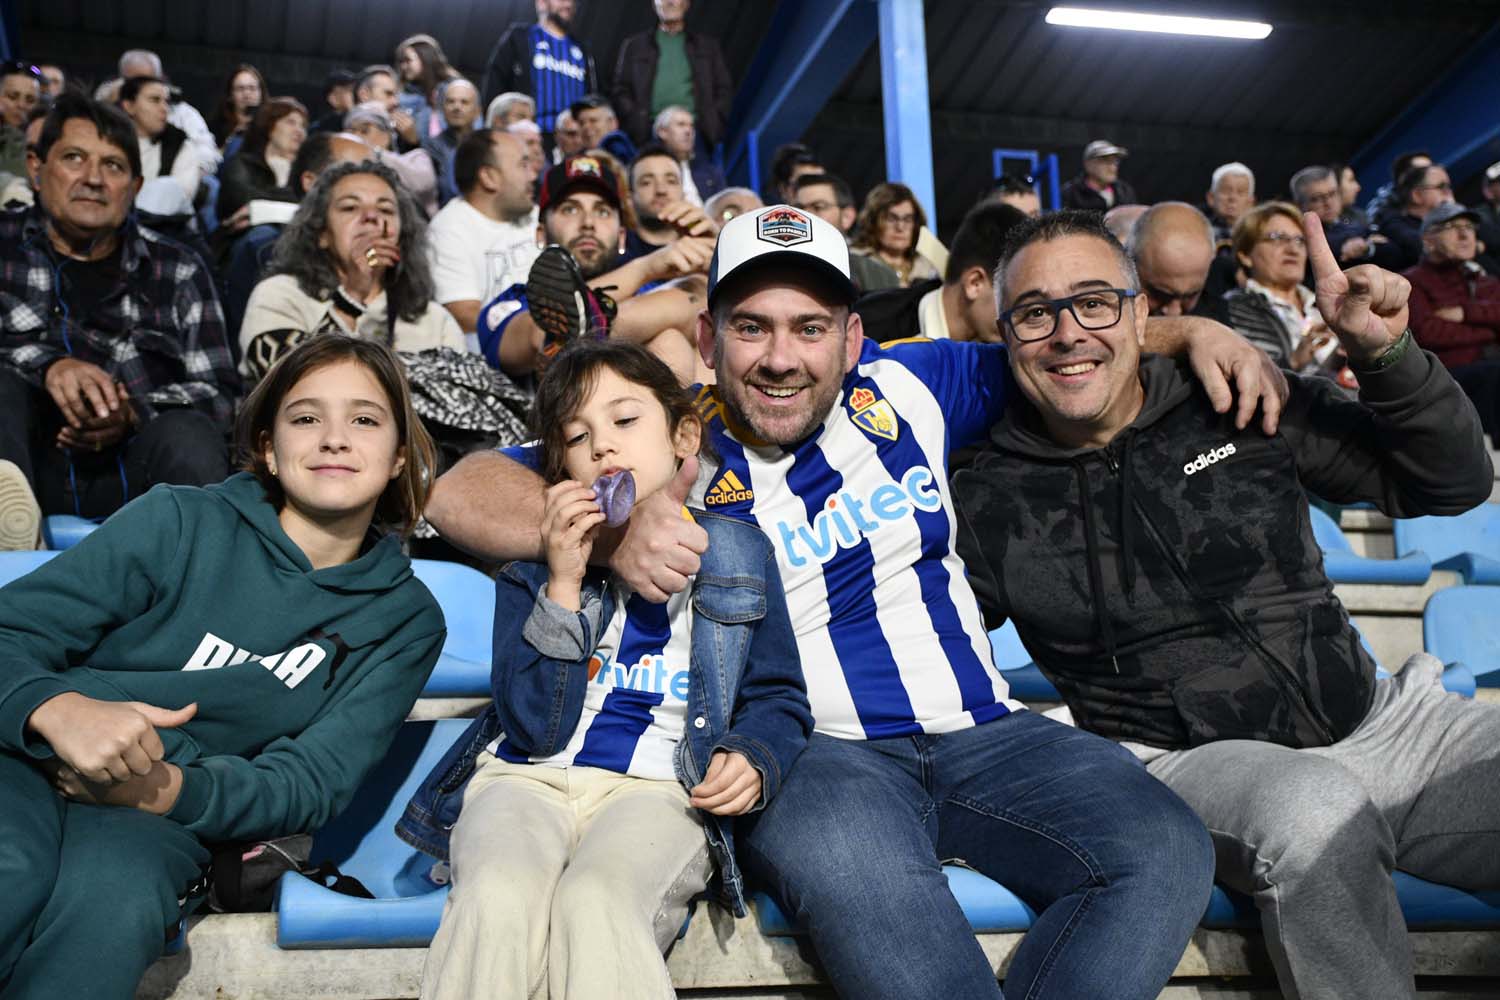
1343,565
1468,543
14,565
1462,625
1024,677
467,598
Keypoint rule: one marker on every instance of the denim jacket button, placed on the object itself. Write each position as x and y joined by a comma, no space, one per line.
699,722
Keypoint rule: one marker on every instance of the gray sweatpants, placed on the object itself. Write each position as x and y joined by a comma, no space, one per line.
1313,834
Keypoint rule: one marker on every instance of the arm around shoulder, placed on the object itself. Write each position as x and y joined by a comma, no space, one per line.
491,506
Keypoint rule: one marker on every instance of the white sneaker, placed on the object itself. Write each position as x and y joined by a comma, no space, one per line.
20,517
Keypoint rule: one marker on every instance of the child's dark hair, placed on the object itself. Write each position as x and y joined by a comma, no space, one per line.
570,378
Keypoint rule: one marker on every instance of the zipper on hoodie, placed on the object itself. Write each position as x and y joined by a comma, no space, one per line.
1283,673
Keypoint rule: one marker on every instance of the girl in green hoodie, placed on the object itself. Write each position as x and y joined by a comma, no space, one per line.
211,665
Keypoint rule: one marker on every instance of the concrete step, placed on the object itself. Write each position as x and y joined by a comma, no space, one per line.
234,957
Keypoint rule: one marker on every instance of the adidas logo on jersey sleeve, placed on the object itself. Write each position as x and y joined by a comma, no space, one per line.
729,489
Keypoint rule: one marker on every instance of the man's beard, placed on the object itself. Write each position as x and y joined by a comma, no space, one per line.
732,394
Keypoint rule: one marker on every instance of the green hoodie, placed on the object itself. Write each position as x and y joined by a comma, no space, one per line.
197,595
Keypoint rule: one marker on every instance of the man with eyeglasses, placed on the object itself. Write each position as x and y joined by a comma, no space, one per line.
1455,308
1172,244
1160,566
830,199
1420,190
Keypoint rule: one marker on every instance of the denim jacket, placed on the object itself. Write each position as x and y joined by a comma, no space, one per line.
745,690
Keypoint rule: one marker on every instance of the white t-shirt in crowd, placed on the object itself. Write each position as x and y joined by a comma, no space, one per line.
475,258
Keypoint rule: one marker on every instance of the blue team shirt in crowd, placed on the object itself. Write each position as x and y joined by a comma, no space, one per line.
559,75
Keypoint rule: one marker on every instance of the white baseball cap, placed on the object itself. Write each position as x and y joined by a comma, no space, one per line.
784,234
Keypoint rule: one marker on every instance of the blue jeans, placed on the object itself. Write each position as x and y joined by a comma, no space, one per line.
1116,866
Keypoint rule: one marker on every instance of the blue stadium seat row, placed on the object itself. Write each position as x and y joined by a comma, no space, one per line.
1468,544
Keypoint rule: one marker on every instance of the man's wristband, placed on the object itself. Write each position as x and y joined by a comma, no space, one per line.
1390,356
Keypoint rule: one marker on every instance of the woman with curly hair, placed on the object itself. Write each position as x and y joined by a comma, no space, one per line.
351,261
887,229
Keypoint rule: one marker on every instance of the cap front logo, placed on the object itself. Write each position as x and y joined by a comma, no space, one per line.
784,226
584,165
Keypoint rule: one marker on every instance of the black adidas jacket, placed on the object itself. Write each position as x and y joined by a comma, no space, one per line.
1170,585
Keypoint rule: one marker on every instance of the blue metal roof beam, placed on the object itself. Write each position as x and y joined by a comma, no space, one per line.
903,97
812,45
1454,119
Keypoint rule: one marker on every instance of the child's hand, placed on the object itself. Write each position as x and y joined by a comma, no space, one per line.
570,516
730,788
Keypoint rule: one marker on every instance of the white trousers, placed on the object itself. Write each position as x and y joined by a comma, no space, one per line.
567,883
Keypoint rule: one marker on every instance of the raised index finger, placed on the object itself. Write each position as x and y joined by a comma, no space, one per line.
1324,263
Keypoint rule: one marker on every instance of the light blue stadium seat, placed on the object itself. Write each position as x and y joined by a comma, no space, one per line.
991,908
362,842
1343,566
1026,680
1468,544
1461,625
63,531
14,565
467,598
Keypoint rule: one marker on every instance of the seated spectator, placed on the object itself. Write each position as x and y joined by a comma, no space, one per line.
484,241
1172,244
701,176
1185,613
789,162
374,126
379,84
662,214
352,261
424,69
1348,194
115,368
530,135
887,230
1455,308
1017,191
262,170
54,79
1316,189
1419,191
459,102
830,199
509,108
244,92
960,305
1275,311
249,254
731,202
672,67
252,649
143,62
1231,193
20,92
164,149
567,137
533,803
1384,202
338,94
600,128
1099,188
586,291
20,190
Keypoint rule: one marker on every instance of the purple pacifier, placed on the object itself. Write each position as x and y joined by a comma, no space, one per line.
615,494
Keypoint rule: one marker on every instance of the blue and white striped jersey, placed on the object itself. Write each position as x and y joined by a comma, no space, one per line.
888,629
559,75
636,703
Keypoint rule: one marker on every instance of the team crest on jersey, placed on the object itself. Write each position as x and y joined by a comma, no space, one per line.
873,414
729,489
784,226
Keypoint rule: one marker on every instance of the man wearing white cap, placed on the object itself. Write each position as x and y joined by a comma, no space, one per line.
837,448
1099,188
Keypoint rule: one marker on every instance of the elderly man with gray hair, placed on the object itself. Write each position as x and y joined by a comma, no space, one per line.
510,107
677,132
1231,192
1316,189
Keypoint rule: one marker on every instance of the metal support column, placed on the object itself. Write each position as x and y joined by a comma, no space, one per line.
903,90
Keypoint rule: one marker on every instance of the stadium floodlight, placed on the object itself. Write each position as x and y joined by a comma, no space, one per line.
1171,24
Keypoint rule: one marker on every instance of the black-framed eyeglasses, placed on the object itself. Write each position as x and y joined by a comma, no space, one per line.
1096,309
